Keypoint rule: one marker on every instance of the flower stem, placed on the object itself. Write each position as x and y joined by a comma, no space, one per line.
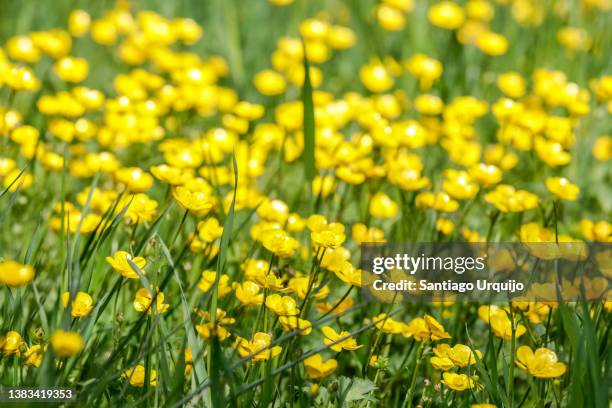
409,396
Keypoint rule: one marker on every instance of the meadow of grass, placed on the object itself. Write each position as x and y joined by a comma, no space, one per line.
185,186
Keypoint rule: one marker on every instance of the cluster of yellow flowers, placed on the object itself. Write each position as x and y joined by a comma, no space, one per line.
145,174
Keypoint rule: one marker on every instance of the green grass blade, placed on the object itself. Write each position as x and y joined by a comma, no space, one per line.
308,125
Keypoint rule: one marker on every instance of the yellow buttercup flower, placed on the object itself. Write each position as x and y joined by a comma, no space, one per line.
428,104
22,48
479,10
426,328
441,363
542,363
248,293
446,14
485,174
119,262
143,301
137,376
445,225
436,329
317,368
171,175
508,199
440,201
258,348
600,231
329,236
33,355
361,233
6,166
140,209
425,68
10,343
72,69
17,180
512,84
375,77
196,201
15,274
270,83
602,148
299,285
382,206
458,184
332,336
73,219
574,38
340,37
66,343
207,329
390,18
462,355
82,303
279,242
502,326
134,179
388,325
79,22
492,43
349,274
208,280
562,188
323,186
282,305
458,382
291,323
209,229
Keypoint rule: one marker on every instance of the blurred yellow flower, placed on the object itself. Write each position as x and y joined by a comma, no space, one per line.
270,83
446,14
15,274
382,206
137,375
492,43
562,188
390,18
66,343
512,84
71,69
508,199
375,77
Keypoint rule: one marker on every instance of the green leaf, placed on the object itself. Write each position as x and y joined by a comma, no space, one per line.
360,389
